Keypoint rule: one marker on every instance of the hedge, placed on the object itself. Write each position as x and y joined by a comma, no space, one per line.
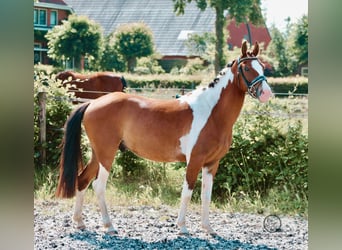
297,85
163,81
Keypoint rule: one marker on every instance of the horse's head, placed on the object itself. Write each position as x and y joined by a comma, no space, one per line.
251,77
64,75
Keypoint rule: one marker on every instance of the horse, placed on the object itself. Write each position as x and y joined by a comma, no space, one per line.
92,86
195,128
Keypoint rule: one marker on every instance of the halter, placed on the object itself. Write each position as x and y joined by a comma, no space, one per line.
251,86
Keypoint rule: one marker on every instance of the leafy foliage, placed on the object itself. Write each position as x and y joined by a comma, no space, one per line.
58,108
148,65
278,50
242,11
202,45
192,66
300,44
263,157
132,41
288,50
77,37
111,59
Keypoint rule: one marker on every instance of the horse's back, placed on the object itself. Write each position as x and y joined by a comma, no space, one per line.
151,128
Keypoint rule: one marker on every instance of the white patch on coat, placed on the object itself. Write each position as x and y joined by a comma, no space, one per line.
185,199
140,102
207,185
202,103
99,186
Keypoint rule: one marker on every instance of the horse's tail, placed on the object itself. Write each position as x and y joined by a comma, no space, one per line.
71,157
124,83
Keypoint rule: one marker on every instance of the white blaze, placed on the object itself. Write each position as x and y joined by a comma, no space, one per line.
266,92
202,103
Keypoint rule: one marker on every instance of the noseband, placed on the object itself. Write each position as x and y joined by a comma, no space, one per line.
251,86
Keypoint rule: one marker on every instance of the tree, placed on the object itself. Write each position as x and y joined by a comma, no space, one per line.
242,11
76,38
289,50
300,40
111,59
279,53
202,45
132,41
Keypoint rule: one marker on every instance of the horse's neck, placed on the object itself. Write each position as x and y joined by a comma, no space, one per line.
229,105
221,102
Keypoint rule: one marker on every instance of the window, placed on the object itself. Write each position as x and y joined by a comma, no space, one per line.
305,71
35,16
39,17
53,18
37,53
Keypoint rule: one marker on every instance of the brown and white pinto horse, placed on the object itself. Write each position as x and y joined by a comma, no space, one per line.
92,86
196,129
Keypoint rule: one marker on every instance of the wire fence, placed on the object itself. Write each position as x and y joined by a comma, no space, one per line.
171,93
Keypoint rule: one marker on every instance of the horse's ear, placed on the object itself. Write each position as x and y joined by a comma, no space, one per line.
244,48
256,49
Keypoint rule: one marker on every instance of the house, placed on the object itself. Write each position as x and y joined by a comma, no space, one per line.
46,14
247,31
170,31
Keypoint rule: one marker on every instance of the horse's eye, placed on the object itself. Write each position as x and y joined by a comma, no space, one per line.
246,68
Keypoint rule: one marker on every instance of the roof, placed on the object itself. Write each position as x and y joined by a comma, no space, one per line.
61,2
169,30
249,32
53,4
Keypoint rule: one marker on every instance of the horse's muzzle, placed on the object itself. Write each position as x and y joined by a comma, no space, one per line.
264,92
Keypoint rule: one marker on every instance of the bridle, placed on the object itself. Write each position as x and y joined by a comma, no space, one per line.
252,86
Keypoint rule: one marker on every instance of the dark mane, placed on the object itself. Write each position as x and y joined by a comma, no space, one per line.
217,78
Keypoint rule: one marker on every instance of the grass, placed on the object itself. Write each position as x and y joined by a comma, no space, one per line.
145,190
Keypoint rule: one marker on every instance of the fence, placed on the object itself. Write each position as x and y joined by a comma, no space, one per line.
159,93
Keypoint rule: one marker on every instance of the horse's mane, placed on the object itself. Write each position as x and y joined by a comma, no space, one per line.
219,76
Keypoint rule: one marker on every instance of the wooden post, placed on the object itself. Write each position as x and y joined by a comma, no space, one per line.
42,126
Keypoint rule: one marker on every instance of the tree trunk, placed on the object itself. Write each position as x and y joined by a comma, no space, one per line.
131,63
219,25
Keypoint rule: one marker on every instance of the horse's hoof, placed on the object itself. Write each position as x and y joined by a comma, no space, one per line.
209,230
81,227
213,234
112,232
184,231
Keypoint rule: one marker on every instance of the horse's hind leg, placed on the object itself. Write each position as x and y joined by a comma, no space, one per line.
83,181
99,186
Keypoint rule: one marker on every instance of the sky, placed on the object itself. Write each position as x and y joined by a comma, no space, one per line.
278,10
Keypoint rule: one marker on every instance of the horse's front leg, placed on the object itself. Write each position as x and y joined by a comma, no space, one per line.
207,185
188,187
185,199
99,186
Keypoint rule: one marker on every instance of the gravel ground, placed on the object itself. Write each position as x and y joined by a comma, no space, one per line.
147,227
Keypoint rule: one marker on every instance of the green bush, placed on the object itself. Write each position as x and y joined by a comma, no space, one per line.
263,157
192,66
58,107
148,65
297,85
163,81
